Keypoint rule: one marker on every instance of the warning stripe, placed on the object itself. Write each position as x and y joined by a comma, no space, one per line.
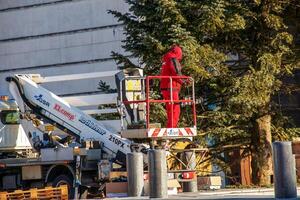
189,131
180,133
155,133
162,132
194,132
174,132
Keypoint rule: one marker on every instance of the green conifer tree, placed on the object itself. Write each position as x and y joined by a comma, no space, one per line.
209,31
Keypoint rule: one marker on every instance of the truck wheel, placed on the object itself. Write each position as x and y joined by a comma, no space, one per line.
65,180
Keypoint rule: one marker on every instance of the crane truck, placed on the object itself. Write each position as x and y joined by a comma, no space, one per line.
69,146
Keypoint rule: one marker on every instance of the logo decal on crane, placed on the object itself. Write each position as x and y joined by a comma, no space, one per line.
67,114
91,125
41,100
116,141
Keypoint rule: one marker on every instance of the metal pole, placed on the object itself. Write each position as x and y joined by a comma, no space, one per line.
284,171
77,176
135,174
190,186
158,173
147,102
194,104
122,104
171,103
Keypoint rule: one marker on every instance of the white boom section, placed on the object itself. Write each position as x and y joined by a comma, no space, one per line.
88,100
102,111
49,105
71,77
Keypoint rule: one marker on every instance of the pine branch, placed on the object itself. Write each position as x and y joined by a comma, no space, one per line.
105,88
123,61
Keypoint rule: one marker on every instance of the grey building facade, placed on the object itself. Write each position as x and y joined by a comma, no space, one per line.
58,37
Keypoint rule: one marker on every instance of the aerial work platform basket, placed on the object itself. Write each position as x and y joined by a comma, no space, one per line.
135,99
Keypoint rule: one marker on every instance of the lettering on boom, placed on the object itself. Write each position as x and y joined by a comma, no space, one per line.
67,114
42,100
91,125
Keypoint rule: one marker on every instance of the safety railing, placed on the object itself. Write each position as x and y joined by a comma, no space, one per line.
145,86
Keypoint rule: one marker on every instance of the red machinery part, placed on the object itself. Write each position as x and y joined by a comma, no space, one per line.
188,175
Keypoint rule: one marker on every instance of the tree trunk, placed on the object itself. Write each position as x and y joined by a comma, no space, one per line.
262,168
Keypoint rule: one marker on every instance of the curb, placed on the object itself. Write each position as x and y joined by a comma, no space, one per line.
237,191
220,192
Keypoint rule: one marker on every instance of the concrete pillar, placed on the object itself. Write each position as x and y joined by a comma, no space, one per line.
135,174
284,171
158,174
190,186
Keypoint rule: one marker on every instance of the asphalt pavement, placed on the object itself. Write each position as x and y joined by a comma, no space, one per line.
236,194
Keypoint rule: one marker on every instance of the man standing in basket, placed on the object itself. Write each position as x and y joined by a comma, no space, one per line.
171,67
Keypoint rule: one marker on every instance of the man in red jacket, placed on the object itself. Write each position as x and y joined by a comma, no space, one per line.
171,67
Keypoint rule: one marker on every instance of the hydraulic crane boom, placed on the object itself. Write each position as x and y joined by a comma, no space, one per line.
32,96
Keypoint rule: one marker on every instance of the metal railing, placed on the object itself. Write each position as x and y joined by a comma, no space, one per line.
145,86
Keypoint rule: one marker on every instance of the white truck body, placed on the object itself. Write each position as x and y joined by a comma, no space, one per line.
56,110
13,137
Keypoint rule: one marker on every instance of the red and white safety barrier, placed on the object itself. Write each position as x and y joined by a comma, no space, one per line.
172,132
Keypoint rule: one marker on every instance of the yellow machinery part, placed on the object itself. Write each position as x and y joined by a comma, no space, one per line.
202,169
60,192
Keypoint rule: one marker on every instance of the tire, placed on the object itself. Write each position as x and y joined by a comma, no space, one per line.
65,180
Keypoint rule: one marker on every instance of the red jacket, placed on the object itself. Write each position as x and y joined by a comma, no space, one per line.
171,67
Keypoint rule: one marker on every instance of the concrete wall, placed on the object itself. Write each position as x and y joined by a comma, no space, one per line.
12,4
56,37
